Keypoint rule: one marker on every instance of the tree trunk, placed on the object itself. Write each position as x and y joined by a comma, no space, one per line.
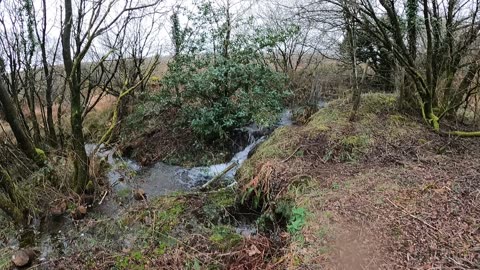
356,96
52,136
80,176
48,72
33,116
407,99
78,141
10,203
11,115
11,210
122,112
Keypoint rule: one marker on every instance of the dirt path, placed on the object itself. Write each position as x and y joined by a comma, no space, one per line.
382,193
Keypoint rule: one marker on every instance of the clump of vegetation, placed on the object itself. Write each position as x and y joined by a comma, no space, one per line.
168,215
353,147
224,237
218,204
279,145
228,87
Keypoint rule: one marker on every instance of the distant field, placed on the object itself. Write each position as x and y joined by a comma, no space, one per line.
104,103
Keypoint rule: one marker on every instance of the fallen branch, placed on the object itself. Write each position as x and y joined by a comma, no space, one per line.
465,133
294,152
103,197
216,178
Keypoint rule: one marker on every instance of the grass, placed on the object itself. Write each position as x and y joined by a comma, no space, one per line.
96,123
330,121
6,231
359,181
224,237
5,258
279,146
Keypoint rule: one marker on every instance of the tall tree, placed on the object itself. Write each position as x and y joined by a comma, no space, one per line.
48,71
93,19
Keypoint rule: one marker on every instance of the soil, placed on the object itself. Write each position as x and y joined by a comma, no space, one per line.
384,192
165,140
408,198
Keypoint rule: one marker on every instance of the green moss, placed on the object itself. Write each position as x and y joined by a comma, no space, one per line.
225,198
90,188
224,237
216,204
169,214
353,147
326,117
41,154
280,145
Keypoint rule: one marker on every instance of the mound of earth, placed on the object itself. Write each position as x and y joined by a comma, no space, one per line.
381,193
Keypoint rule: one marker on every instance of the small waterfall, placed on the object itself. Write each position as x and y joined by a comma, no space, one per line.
120,170
163,178
200,175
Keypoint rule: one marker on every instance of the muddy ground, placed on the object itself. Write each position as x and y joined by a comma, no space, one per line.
384,192
381,193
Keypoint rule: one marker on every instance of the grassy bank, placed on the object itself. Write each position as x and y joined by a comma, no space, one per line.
381,193
384,192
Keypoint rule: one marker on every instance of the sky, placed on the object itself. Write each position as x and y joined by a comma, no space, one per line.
159,41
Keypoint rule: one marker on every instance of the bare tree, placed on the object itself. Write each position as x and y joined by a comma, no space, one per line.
135,58
11,115
48,68
451,31
92,20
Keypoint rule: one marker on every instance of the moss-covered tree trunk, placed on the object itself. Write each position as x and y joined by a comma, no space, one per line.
10,203
122,110
73,74
24,142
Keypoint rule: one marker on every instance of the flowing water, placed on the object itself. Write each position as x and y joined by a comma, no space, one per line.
162,178
125,176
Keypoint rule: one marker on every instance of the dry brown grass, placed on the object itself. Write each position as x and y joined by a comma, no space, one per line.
382,193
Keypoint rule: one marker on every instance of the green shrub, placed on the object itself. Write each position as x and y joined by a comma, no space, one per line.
218,90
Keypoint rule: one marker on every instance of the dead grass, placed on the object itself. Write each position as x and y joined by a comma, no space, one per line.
382,193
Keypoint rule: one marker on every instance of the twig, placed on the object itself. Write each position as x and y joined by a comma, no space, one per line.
294,152
103,197
216,178
413,216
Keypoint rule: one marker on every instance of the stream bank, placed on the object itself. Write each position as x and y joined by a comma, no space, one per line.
384,192
109,227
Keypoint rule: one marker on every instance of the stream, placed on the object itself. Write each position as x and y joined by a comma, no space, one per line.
161,178
53,237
